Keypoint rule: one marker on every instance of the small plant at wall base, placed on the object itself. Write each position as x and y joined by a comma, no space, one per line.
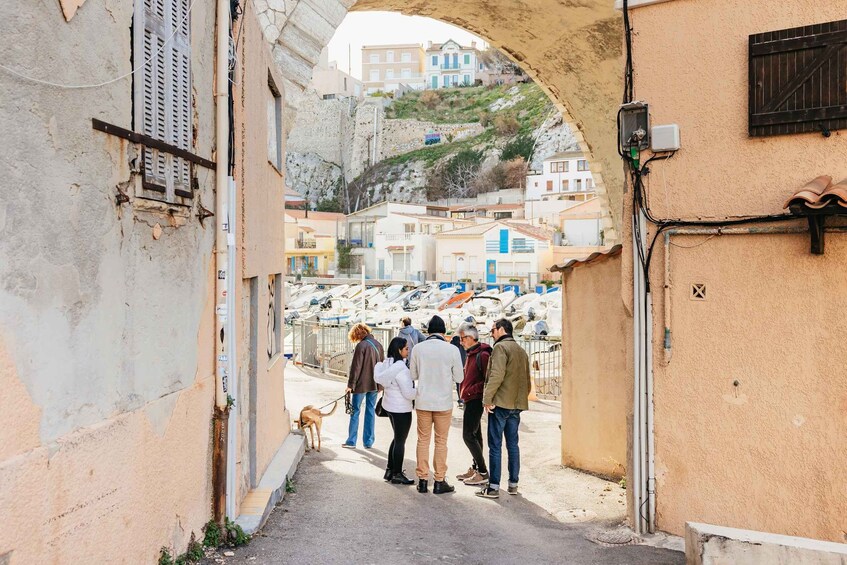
232,536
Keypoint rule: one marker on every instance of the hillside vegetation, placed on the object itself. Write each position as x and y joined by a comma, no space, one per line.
497,158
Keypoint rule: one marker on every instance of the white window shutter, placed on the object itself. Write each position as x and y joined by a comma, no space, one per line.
163,91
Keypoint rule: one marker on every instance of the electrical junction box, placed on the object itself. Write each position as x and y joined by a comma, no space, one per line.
664,138
634,126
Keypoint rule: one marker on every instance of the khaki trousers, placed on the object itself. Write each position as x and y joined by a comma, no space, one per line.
426,421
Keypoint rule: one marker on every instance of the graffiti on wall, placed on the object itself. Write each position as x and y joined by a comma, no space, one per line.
272,321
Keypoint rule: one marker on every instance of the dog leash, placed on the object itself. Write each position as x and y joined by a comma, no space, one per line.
333,401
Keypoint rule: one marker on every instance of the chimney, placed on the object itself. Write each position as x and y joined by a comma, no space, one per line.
429,44
473,44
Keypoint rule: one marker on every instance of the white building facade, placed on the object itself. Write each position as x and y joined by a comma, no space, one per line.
563,174
450,64
396,240
494,253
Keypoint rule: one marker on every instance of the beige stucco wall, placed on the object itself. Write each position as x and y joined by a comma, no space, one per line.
766,454
106,310
596,378
264,421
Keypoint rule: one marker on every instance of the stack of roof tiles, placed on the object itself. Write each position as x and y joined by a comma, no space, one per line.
817,194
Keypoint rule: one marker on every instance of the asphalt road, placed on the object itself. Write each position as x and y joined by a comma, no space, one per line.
343,512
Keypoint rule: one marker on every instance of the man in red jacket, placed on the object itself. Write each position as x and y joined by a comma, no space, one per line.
473,384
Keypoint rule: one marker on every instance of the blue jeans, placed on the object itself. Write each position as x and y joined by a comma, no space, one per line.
370,418
499,422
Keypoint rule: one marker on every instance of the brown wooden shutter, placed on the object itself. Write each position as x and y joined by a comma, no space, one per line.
798,80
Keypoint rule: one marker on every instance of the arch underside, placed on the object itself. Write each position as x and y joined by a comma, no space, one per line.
571,48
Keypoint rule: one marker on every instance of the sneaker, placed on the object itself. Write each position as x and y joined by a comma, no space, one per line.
488,492
467,475
477,479
348,446
513,489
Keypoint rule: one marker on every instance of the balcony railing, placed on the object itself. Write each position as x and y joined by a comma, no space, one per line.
393,237
305,244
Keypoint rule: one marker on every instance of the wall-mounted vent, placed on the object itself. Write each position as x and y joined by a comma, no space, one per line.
698,291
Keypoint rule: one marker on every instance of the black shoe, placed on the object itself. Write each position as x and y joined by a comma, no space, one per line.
401,479
441,487
388,474
422,485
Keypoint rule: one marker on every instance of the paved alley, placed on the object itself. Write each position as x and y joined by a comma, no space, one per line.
343,512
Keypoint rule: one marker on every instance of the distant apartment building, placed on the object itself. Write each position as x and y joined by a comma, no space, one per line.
386,67
562,175
450,64
331,82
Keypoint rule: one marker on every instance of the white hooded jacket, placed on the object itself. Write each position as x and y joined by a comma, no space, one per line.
395,378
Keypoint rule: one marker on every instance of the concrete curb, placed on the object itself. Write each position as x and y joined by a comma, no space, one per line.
259,502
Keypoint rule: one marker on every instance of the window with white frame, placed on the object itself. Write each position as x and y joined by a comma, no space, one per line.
406,73
162,94
374,58
582,165
389,57
434,61
274,125
406,57
389,74
374,75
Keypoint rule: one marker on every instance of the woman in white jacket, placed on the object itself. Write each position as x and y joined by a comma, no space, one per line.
399,392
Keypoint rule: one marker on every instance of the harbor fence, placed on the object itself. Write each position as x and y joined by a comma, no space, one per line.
326,347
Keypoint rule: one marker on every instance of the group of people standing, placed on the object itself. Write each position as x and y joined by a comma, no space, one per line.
420,374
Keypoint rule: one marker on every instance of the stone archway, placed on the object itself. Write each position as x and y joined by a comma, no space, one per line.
572,49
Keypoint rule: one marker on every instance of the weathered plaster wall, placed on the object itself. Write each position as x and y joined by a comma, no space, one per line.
596,381
263,417
104,317
765,454
577,60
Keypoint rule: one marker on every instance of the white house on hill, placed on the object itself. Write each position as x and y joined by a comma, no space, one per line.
450,64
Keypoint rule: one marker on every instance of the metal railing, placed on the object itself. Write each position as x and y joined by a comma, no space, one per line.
327,348
305,244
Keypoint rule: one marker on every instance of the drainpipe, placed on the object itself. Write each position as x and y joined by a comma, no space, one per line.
223,235
637,311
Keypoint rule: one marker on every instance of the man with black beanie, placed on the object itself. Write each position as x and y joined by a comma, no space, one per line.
436,366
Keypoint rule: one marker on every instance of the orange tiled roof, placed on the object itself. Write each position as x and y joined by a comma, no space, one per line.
819,193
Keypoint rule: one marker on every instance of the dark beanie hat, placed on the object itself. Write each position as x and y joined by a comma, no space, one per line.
436,326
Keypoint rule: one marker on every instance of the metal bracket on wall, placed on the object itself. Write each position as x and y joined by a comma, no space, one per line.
152,143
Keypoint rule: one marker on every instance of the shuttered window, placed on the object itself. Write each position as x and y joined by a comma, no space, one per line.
797,80
162,94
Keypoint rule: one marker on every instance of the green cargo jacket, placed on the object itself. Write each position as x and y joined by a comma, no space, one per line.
507,382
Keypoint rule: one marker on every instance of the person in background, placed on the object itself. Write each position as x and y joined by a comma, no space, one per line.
412,335
435,365
505,396
399,392
471,394
463,354
361,384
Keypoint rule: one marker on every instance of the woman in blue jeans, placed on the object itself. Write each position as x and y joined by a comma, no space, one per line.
361,384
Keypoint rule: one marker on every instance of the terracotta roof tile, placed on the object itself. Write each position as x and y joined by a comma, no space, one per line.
819,193
594,257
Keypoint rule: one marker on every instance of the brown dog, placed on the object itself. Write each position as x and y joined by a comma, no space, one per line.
311,417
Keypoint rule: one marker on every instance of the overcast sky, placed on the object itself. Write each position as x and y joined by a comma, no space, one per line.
376,28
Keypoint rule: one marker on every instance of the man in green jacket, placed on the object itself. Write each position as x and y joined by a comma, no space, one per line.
505,396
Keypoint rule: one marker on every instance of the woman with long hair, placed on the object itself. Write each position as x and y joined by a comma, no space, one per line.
399,392
361,385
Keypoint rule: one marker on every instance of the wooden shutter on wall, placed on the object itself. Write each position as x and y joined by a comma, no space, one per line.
798,80
162,92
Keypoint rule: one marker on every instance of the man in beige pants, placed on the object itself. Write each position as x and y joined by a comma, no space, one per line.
436,365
